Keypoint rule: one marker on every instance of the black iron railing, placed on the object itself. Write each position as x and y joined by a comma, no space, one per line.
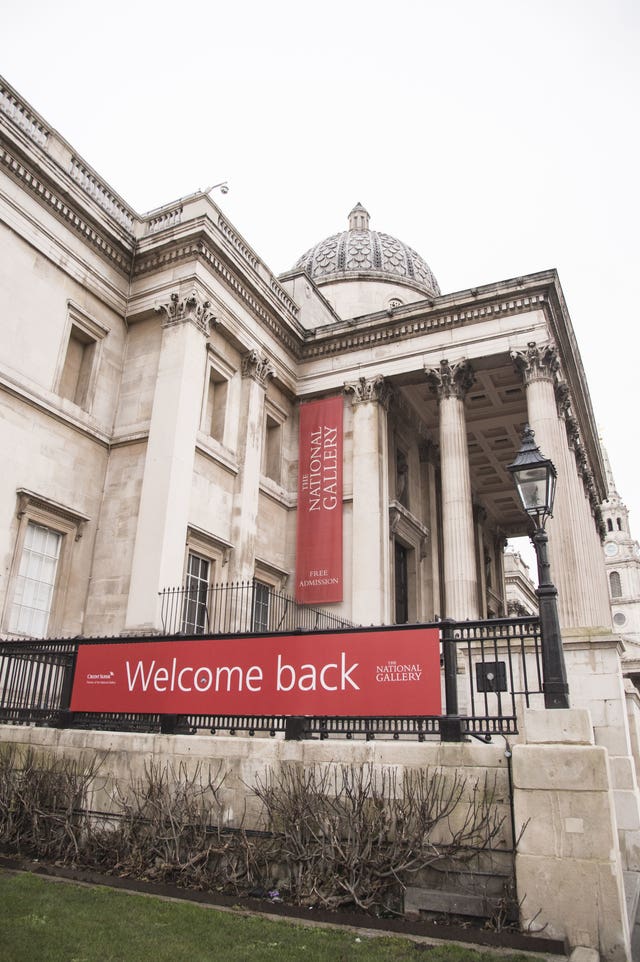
236,607
489,671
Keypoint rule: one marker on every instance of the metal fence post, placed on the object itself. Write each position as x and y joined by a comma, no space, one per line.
65,715
450,726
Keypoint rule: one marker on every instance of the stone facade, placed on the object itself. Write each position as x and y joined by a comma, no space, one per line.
153,409
152,369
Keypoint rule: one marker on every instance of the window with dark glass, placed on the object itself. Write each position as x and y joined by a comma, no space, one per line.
261,600
195,617
616,584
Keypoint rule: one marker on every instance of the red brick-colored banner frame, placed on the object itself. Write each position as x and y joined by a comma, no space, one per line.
384,673
319,520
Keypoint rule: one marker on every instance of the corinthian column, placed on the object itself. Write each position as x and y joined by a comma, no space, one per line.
158,554
370,517
256,371
450,382
574,544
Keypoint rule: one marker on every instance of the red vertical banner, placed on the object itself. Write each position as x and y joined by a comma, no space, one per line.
319,534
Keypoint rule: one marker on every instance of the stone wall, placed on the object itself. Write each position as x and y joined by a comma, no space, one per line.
569,869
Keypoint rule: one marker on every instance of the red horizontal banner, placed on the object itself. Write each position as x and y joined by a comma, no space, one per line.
394,672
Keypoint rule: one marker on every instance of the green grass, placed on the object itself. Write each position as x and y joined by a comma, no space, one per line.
42,920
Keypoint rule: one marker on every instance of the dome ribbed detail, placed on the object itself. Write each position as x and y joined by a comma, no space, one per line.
360,250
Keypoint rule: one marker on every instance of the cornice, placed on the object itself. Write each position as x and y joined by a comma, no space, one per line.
37,185
573,371
379,329
30,499
201,247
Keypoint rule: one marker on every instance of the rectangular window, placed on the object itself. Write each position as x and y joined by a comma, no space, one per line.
195,616
261,603
272,449
218,390
78,365
35,581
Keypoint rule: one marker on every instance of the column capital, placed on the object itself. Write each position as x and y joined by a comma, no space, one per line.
370,389
536,363
190,307
255,365
450,380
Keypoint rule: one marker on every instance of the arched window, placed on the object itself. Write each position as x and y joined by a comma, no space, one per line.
619,522
609,524
615,584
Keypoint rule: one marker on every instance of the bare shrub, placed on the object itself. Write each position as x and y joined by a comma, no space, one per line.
168,828
43,804
355,836
334,836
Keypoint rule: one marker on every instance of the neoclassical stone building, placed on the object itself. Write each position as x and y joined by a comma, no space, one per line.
158,388
153,369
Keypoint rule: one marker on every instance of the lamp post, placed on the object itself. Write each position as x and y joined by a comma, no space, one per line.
535,480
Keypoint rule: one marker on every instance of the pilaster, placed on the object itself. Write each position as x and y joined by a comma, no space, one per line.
256,372
158,555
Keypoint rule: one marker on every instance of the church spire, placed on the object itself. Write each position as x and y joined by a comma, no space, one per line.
612,491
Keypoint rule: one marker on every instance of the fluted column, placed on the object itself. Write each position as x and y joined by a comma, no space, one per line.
577,565
256,371
158,554
431,567
451,382
370,577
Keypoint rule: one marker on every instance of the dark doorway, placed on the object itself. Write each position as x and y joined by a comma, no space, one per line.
402,586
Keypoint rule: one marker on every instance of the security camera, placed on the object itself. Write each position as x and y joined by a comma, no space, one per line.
224,189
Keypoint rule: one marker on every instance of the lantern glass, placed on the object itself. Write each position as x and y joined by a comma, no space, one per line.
532,488
535,479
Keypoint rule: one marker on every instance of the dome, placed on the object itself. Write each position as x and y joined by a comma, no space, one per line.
361,251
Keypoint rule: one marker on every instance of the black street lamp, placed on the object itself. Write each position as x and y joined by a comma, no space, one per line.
535,481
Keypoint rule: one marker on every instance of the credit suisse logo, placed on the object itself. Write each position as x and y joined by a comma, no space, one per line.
100,678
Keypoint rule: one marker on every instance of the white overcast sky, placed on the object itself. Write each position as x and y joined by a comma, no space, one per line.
497,137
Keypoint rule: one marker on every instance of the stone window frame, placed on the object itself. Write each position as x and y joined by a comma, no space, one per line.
95,331
615,584
212,548
224,372
37,509
271,577
278,417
